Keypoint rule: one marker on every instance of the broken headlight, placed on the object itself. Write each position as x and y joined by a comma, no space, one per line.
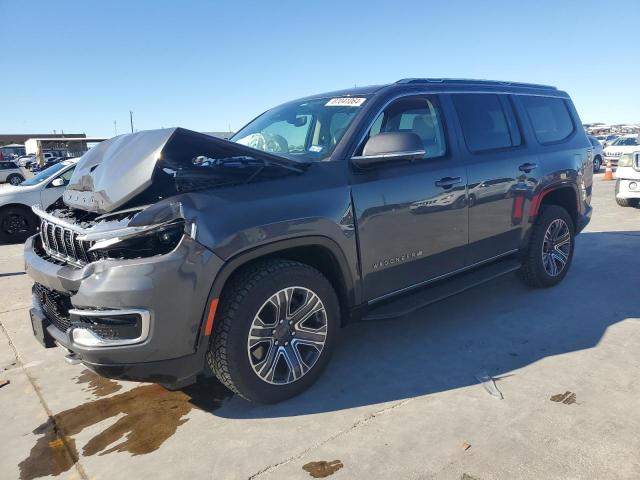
157,241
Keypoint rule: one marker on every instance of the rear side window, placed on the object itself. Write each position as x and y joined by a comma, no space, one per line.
487,122
549,117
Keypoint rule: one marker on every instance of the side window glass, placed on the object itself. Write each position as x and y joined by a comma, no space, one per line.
66,176
549,117
485,123
419,115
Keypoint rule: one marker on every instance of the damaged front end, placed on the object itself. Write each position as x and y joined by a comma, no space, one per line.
118,202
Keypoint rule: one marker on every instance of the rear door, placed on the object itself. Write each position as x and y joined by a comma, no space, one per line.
411,216
501,171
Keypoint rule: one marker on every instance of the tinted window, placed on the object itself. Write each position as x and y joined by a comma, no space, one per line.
419,115
549,117
486,125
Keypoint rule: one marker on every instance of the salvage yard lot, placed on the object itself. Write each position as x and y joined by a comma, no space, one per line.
400,399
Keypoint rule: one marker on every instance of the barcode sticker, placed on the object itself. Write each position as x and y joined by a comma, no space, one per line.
345,102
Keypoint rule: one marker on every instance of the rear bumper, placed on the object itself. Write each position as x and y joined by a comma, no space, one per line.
173,289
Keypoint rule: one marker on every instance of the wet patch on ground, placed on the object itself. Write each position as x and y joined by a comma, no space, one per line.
147,416
568,398
99,386
322,468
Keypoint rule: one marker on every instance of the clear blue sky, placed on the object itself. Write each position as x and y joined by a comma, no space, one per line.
79,65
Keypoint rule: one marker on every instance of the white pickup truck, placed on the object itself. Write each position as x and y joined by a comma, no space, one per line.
628,179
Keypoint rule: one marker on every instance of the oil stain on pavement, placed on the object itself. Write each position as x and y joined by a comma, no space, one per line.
99,386
322,469
568,398
147,416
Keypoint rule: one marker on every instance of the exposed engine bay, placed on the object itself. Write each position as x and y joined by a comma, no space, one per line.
110,208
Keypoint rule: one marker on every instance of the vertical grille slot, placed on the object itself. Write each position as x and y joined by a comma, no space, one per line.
62,244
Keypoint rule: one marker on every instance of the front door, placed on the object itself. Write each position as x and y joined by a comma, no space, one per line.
51,193
411,216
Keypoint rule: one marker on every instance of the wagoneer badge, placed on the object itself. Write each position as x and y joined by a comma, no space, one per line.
387,262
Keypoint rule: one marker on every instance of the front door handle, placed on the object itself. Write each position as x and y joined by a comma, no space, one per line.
527,167
448,182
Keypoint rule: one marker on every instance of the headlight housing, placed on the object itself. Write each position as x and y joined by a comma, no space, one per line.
159,241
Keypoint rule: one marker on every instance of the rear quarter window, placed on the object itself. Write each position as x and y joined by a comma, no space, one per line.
549,117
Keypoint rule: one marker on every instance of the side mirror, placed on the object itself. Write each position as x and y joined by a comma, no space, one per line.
57,182
390,146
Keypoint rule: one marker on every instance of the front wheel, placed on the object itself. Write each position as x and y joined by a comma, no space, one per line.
17,224
274,331
15,179
627,202
548,256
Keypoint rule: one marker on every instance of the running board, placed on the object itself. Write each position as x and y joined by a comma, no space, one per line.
421,297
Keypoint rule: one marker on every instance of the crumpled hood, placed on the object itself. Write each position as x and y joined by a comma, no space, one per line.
116,170
121,168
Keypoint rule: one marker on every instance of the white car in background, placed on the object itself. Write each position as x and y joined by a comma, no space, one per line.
11,173
628,179
625,144
17,221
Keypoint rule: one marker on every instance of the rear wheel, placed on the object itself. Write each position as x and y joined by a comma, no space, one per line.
274,331
15,179
17,224
548,257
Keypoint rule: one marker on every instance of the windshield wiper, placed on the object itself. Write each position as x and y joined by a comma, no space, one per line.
293,165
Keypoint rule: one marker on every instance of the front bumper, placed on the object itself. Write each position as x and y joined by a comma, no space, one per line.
172,288
627,183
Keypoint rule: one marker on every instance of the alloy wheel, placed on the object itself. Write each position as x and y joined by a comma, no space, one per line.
15,180
556,247
287,335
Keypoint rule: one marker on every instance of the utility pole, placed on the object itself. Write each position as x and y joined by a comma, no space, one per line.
115,129
131,119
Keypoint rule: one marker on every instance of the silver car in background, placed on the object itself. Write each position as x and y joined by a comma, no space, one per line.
598,153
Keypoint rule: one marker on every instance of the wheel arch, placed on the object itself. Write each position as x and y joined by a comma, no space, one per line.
563,195
320,252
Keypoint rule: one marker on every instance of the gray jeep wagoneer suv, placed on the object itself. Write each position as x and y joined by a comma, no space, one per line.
174,254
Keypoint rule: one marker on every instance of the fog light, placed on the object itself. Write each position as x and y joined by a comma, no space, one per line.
633,185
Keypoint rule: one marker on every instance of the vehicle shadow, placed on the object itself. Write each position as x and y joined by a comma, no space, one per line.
497,328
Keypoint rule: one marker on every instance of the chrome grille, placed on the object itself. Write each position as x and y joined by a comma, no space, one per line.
63,244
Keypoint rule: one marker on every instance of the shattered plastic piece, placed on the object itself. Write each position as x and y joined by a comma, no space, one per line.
489,385
466,446
4,382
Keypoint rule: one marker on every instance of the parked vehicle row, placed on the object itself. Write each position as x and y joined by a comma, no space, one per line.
628,143
177,254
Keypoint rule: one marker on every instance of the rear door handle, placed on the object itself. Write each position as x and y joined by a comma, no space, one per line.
527,167
448,182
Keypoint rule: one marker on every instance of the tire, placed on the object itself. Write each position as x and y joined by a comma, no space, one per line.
535,271
15,179
17,224
627,202
242,363
597,163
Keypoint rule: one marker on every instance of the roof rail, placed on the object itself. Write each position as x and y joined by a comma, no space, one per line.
464,81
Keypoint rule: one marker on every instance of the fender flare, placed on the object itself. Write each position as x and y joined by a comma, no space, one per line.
245,256
537,199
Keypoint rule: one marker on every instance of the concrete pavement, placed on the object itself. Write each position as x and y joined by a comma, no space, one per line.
400,398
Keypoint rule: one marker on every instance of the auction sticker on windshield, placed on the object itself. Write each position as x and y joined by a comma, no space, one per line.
345,102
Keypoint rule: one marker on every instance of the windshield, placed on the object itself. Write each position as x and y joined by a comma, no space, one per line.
308,130
43,175
625,141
